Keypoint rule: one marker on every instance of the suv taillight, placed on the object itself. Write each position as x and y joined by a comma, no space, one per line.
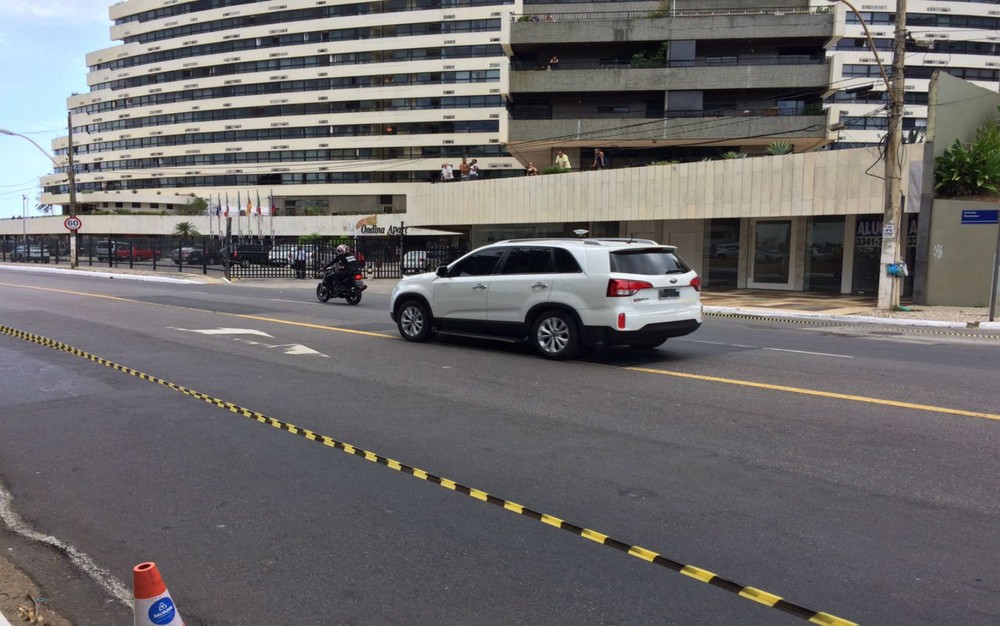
696,283
621,288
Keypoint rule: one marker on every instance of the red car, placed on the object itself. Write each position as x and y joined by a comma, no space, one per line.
135,253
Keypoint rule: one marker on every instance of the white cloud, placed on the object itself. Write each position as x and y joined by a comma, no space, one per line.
56,10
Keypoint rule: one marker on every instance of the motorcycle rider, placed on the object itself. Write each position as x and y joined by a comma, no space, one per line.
347,266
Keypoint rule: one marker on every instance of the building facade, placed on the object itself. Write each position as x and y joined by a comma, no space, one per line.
336,106
958,36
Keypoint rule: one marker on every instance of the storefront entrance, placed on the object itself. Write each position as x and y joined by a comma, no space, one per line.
770,260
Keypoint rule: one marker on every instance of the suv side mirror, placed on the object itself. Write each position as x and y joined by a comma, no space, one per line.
442,271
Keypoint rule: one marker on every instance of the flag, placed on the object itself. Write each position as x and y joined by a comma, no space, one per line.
249,205
239,203
258,202
226,210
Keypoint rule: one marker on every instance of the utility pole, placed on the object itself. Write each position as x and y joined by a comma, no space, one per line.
73,248
890,286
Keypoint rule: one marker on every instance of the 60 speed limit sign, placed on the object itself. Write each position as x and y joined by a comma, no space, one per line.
73,223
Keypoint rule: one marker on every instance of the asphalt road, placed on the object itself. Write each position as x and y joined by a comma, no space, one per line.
850,471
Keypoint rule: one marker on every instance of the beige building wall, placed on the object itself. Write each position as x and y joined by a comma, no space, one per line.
796,185
959,269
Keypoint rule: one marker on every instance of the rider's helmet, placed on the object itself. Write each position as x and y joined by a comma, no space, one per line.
342,249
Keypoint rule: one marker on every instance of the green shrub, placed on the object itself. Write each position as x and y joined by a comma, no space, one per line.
553,170
780,147
962,171
732,154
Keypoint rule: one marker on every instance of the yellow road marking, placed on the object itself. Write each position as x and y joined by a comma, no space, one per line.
821,394
646,370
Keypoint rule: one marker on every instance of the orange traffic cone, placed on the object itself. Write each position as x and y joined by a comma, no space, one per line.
153,605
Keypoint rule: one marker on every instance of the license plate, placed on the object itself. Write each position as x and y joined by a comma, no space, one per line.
669,293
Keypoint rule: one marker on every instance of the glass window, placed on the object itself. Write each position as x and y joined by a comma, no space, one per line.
479,264
528,261
650,262
565,262
772,241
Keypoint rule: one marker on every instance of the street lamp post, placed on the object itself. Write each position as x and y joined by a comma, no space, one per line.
888,284
24,222
70,175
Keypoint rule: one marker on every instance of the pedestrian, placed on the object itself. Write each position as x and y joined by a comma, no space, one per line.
474,170
553,62
463,169
600,161
447,175
562,161
299,262
532,170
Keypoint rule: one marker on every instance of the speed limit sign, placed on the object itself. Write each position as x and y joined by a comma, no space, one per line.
73,223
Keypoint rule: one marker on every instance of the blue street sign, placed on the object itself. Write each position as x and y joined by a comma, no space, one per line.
991,216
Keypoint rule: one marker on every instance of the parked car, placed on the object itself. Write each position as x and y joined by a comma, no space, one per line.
193,256
105,249
32,254
561,295
133,252
423,260
243,254
727,251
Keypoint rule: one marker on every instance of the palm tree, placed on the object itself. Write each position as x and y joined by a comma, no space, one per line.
186,230
47,209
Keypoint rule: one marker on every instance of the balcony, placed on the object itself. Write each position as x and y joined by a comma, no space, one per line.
696,74
658,25
674,128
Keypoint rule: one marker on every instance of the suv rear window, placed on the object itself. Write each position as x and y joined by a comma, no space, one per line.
649,262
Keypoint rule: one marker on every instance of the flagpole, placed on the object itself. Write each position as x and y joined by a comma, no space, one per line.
271,205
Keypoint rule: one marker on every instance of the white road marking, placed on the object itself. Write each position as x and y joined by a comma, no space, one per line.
105,579
225,331
838,356
738,345
718,343
296,349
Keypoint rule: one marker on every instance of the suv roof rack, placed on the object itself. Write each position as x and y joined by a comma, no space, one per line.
591,241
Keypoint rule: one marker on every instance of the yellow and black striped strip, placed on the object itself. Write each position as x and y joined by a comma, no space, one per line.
953,332
705,576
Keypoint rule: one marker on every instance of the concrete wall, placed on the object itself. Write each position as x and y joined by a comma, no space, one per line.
283,226
961,109
812,183
958,266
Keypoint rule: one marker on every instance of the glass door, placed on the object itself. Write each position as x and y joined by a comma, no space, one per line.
770,258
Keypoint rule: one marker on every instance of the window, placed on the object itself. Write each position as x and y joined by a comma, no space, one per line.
647,262
565,263
479,264
528,261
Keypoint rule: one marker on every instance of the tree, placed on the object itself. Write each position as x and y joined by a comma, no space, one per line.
186,230
194,206
47,209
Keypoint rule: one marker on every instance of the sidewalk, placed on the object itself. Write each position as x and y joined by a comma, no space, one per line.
718,302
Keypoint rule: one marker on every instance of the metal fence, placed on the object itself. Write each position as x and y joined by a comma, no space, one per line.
235,258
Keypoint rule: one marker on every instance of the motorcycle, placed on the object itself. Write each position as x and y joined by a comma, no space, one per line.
349,289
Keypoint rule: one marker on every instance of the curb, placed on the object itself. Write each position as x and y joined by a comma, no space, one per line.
857,319
141,277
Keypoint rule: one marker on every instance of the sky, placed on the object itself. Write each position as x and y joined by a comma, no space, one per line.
43,44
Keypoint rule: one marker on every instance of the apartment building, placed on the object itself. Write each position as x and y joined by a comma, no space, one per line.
339,106
960,37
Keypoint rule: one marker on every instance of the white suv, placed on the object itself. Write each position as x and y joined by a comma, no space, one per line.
562,295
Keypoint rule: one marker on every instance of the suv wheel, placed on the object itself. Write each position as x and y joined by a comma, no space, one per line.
414,321
554,335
